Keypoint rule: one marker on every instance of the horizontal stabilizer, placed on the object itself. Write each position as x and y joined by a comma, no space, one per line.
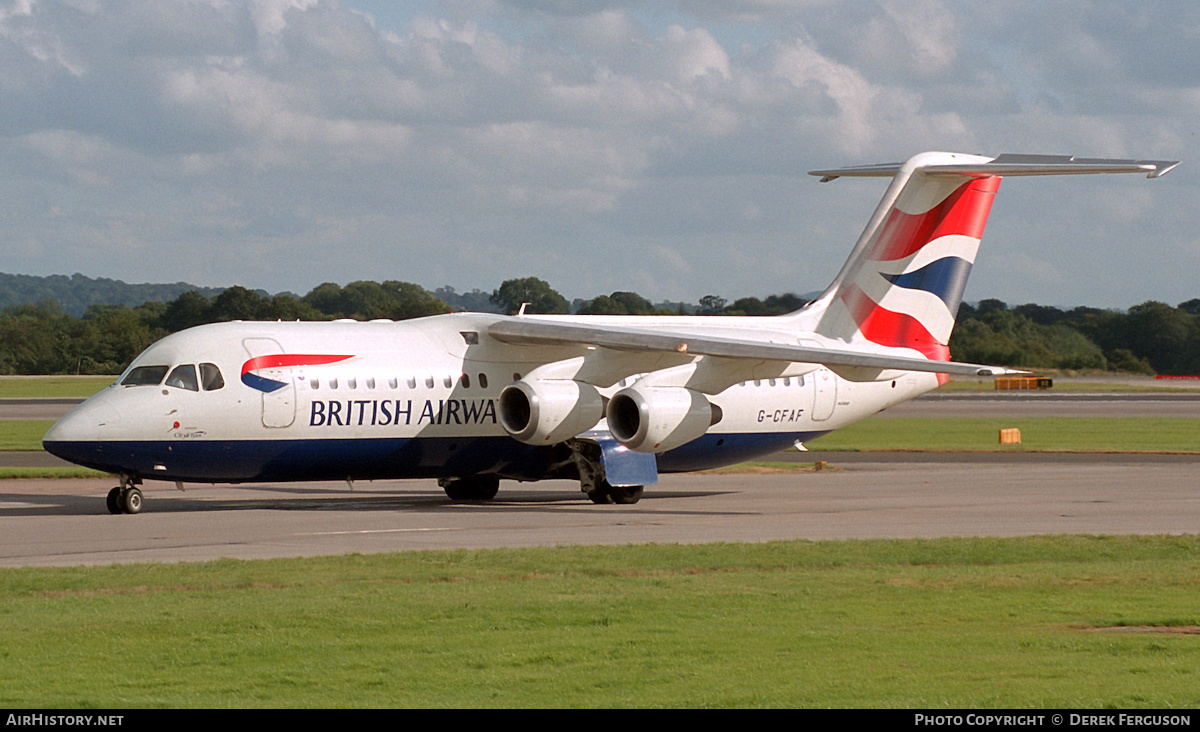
530,331
1013,164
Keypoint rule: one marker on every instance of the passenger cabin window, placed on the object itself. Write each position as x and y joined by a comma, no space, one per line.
145,376
483,380
183,376
210,377
466,381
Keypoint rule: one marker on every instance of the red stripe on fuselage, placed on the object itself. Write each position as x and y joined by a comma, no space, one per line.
283,360
964,212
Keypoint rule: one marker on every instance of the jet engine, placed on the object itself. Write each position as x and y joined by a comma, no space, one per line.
657,419
548,411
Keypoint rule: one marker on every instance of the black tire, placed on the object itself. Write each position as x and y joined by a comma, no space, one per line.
600,496
626,495
113,501
474,488
132,501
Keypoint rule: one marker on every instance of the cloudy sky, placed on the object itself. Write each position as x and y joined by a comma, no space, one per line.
602,145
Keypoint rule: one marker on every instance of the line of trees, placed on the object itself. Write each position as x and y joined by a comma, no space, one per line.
1149,338
44,338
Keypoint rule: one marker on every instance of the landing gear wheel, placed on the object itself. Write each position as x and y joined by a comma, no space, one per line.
132,501
625,495
600,496
474,488
593,482
125,498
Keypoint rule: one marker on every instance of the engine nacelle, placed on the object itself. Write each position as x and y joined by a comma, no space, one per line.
545,412
657,419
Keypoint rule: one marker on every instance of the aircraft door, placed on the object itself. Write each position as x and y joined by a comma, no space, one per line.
279,403
824,394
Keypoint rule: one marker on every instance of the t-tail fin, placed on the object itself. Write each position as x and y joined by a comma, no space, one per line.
903,283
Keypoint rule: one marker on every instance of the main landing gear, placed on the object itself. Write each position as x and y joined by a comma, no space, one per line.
594,483
125,498
472,488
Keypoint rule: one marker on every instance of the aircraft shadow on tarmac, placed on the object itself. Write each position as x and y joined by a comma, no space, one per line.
15,505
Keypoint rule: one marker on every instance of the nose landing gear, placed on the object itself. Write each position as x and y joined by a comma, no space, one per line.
125,498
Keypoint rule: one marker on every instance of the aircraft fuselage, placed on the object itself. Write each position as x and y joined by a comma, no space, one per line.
412,399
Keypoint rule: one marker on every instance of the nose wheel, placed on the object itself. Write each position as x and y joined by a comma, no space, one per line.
125,498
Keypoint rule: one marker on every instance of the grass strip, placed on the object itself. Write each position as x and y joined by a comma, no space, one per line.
12,387
23,434
960,623
1044,434
12,473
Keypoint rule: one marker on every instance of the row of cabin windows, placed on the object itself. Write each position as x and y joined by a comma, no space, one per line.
464,380
786,381
183,376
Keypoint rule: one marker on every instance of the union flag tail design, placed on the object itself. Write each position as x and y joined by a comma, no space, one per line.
906,291
902,286
903,283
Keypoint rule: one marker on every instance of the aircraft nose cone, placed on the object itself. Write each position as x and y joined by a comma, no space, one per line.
82,426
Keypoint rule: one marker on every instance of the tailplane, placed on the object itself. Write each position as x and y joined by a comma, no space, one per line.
903,283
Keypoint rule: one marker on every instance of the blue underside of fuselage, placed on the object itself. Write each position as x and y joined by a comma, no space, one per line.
239,461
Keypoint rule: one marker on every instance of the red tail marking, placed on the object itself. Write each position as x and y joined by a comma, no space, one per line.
964,212
888,328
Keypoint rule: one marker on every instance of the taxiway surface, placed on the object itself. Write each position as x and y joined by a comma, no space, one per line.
64,522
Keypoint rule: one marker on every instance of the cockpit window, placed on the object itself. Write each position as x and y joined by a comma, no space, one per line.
145,376
210,377
183,377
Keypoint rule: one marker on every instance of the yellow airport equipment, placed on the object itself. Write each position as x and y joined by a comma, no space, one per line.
1010,436
1023,382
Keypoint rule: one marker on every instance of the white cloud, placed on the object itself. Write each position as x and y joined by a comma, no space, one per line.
297,141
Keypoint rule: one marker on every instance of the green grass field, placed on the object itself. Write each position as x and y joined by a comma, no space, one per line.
16,434
946,623
1046,434
52,386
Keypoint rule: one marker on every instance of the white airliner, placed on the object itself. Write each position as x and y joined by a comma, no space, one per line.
612,401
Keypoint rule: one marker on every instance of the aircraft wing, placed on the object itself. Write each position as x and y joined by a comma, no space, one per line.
520,330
